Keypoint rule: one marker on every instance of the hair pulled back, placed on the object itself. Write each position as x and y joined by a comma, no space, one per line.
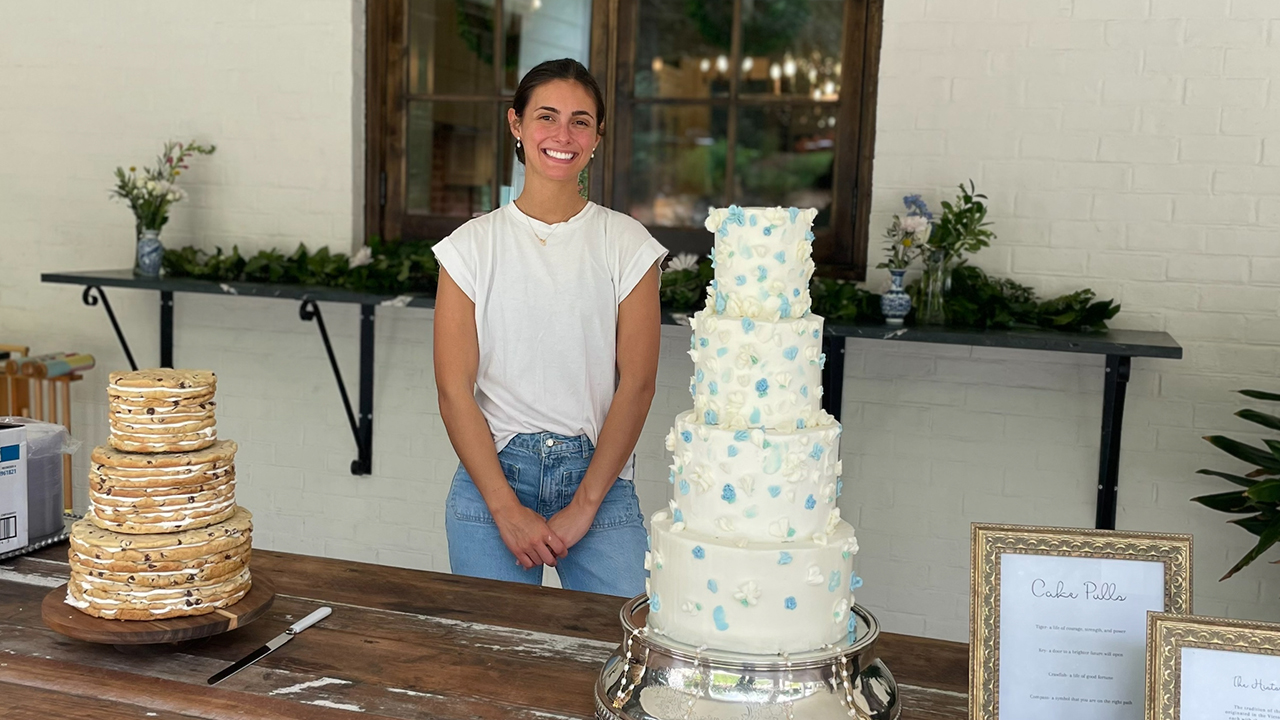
545,72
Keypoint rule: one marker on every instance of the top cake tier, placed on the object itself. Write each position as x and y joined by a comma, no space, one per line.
162,410
763,261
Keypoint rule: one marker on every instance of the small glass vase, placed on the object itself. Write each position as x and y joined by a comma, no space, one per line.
895,303
933,311
150,254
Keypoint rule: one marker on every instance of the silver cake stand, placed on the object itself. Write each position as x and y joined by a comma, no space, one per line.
651,677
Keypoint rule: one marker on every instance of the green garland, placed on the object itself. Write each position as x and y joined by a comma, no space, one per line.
976,300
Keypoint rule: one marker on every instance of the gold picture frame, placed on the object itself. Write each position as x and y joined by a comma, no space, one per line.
1168,634
989,542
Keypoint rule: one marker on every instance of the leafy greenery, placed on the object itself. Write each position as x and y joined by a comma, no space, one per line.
961,229
390,268
977,300
1259,501
843,301
684,290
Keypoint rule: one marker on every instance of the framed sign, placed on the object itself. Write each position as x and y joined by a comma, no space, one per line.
1058,619
1208,669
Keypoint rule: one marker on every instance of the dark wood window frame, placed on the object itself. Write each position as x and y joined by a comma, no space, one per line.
840,252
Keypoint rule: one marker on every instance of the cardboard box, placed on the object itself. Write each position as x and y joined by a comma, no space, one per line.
13,487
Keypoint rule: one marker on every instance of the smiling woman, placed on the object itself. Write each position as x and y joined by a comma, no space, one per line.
534,301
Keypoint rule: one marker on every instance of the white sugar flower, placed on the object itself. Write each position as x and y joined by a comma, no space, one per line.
833,520
690,607
724,524
838,610
748,594
815,576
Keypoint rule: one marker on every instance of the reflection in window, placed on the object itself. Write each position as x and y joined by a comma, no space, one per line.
785,156
677,163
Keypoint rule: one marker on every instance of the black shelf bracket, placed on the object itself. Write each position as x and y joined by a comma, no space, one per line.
166,328
91,296
833,375
1114,385
362,425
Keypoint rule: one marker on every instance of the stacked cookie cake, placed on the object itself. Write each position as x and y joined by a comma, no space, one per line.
163,536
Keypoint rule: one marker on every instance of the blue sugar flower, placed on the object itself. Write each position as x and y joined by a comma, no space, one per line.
763,273
718,616
703,342
784,306
693,390
762,387
728,494
794,213
816,452
768,231
750,512
752,220
721,352
671,478
810,503
740,280
748,324
686,436
712,387
678,516
755,418
721,303
780,256
839,487
733,451
741,436
804,391
784,558
684,487
790,603
775,491
698,552
808,235
710,417
800,423
791,352
855,582
711,585
853,624
655,603
835,581
815,334
723,230
795,292
736,216
698,375
822,361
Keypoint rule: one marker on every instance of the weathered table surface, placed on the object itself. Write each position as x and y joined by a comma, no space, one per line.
400,644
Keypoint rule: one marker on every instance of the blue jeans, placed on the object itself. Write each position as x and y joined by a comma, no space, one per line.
545,470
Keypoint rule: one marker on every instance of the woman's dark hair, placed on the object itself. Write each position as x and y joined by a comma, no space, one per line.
562,69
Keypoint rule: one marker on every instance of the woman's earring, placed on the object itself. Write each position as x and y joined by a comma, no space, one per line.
517,143
593,154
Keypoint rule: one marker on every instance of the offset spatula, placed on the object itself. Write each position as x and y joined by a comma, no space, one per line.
272,645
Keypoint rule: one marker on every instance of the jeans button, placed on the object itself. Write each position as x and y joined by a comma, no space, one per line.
551,443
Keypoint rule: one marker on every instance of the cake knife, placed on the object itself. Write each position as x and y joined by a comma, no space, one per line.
272,644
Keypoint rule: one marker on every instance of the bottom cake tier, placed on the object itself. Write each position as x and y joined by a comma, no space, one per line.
761,598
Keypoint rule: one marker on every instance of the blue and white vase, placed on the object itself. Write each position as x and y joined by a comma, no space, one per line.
150,253
895,304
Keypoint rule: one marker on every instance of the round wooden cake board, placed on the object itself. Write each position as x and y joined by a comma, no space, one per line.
69,621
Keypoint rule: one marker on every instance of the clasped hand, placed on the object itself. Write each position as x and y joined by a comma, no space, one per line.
535,541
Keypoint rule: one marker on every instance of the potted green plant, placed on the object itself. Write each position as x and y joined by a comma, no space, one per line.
1258,503
961,228
150,193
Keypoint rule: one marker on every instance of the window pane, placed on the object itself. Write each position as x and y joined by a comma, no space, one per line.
539,30
682,48
677,163
450,157
792,48
451,47
785,156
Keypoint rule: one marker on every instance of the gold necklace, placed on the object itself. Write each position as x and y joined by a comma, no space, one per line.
555,226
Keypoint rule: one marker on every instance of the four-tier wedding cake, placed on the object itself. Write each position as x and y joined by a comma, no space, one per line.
752,555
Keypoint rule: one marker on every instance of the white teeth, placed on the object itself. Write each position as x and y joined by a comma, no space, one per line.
559,155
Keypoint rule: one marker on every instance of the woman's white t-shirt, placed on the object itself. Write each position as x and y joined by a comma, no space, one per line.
547,316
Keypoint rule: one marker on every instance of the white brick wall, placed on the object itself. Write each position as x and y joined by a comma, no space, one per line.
1144,152
1127,145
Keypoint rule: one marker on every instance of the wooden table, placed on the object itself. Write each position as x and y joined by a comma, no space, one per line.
400,644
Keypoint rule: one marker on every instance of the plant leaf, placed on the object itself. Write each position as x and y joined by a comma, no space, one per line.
1247,453
1237,479
1260,395
1254,524
1267,491
1265,420
1265,541
1232,501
